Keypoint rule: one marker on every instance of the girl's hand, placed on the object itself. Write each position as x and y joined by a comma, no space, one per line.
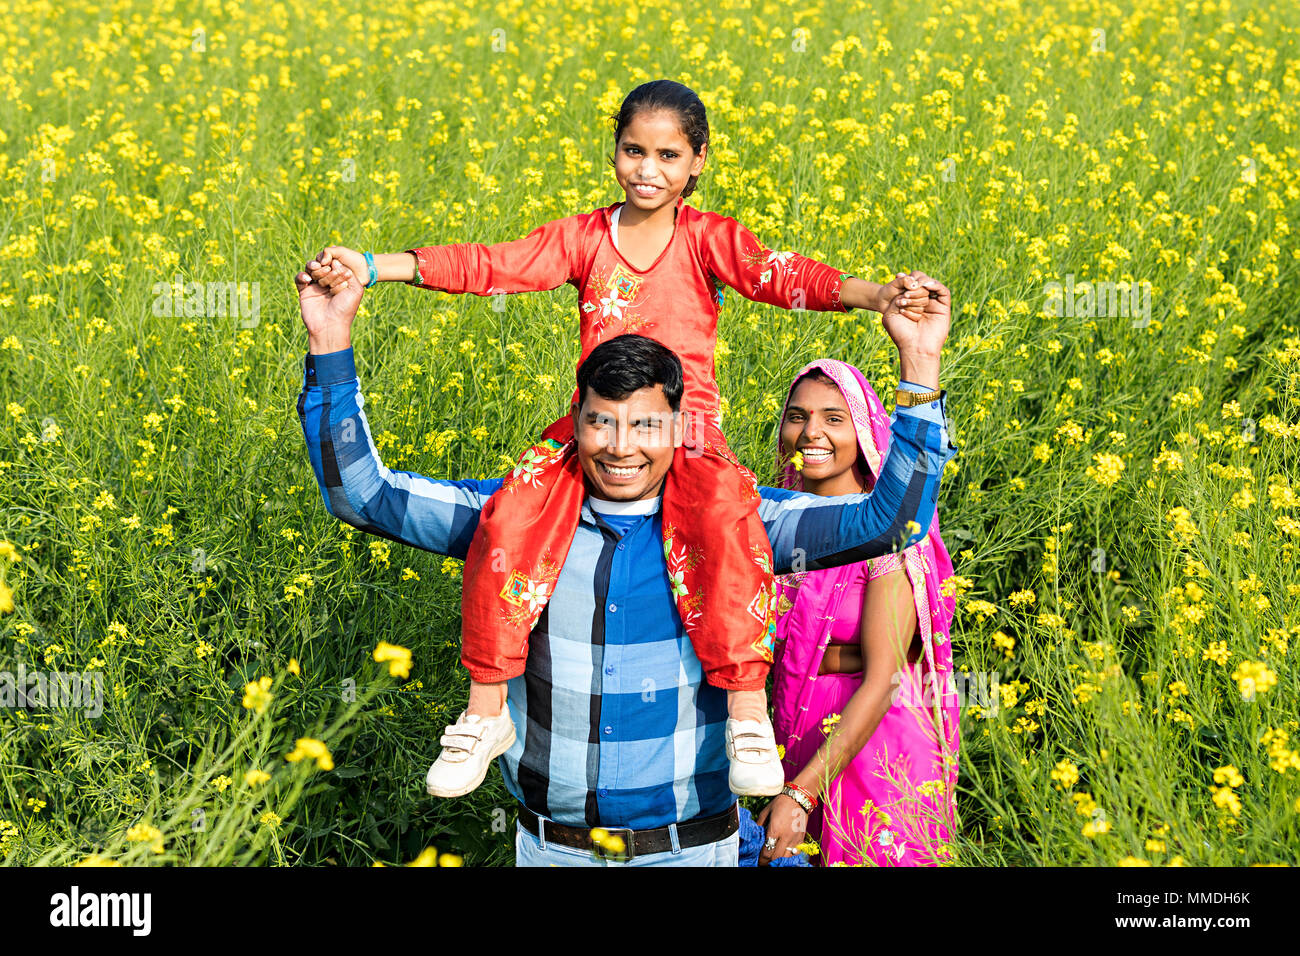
904,293
328,311
786,823
929,323
333,261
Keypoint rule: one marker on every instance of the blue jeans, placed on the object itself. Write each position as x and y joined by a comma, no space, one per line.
529,851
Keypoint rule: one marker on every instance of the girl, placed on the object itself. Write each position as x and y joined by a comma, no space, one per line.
655,266
863,659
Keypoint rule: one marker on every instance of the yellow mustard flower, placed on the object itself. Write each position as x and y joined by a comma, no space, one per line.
398,658
310,748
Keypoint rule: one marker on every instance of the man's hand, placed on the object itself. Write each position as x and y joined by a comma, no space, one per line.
904,293
328,310
920,340
334,261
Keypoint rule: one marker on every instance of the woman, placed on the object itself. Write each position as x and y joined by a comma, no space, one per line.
863,694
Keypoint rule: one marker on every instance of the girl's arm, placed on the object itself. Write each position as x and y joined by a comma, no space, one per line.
788,279
546,258
887,626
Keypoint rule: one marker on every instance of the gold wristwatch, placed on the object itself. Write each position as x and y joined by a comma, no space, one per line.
905,399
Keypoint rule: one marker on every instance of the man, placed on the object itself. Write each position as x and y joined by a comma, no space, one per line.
619,729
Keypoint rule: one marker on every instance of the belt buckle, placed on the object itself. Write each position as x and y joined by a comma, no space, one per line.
628,851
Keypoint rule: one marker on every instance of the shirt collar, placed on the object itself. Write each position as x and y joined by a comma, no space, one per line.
591,506
642,506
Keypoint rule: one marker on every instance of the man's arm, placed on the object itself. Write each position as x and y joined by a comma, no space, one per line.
357,489
810,532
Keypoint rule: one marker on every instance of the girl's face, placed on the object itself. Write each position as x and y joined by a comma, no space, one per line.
653,161
817,424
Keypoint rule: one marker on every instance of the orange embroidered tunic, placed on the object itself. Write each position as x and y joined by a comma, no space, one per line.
676,301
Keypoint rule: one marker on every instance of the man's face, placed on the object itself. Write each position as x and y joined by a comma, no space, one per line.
625,446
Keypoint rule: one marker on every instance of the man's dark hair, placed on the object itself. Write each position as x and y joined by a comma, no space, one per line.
617,368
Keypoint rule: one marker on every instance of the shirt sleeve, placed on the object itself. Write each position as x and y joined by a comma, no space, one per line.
735,256
885,564
436,515
546,258
811,532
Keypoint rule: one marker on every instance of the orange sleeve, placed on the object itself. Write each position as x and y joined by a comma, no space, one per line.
734,255
546,258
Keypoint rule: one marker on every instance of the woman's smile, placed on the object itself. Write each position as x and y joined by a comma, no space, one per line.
816,455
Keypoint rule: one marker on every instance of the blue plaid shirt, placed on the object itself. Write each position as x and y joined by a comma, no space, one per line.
615,723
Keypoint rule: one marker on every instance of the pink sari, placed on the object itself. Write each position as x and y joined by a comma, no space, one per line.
893,804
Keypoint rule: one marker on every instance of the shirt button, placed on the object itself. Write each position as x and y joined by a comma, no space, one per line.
613,608
609,669
609,730
620,547
603,792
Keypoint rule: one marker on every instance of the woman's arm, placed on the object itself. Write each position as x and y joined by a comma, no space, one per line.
887,627
885,631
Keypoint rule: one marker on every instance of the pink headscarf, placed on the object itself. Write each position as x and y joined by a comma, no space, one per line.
927,565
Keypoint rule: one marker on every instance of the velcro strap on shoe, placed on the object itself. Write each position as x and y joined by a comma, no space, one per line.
466,730
762,747
465,742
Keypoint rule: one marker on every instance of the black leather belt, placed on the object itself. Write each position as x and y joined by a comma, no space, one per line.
694,832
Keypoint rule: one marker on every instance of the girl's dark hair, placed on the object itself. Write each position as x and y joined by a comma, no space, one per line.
620,366
671,97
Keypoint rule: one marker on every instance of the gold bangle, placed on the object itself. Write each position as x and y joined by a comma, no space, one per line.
800,796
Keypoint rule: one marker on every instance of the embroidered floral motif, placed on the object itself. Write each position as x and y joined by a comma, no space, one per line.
624,282
534,461
527,594
763,605
679,562
632,325
769,262
614,296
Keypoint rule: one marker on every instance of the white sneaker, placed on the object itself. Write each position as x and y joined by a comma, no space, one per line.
756,769
468,747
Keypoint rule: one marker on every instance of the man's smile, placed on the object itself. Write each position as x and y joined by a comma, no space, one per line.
621,472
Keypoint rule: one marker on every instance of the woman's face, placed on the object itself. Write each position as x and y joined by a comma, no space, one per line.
817,424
